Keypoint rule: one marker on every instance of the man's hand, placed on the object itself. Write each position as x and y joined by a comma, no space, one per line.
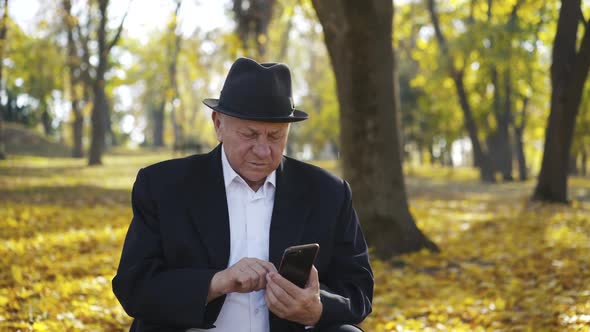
247,275
287,301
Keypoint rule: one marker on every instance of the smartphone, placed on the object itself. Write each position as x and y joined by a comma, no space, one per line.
297,262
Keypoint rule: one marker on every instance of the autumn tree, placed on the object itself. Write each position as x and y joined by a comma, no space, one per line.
569,71
174,40
253,18
3,29
358,37
77,75
457,74
100,104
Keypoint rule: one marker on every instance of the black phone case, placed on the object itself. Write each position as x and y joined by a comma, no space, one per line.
297,262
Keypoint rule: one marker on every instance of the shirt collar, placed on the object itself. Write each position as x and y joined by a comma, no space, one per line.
229,174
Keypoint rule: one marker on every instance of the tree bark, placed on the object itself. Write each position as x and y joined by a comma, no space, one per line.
358,38
100,104
480,156
584,164
74,70
518,134
504,130
3,28
573,164
569,71
158,120
173,52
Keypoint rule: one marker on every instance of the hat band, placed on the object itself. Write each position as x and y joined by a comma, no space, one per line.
258,106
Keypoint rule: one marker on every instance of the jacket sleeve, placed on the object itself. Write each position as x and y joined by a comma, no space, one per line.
145,287
346,290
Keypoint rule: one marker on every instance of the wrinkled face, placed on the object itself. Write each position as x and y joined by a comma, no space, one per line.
254,149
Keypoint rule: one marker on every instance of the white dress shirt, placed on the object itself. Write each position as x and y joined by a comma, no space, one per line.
249,224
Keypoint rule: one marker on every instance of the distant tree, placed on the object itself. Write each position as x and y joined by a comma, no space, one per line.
358,37
253,18
569,71
100,104
482,159
3,28
77,74
173,44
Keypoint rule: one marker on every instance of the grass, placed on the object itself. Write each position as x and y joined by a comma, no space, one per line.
506,263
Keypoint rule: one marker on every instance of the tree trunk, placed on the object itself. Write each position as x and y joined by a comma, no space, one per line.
45,117
358,37
520,156
99,111
569,71
573,164
78,130
74,69
98,121
3,29
504,129
481,158
173,51
100,104
499,147
584,164
158,118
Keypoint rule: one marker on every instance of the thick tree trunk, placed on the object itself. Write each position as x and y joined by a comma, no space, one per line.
358,38
569,71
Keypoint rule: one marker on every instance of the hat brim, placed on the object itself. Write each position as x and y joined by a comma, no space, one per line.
296,116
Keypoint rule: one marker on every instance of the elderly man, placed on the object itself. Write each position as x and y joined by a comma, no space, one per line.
208,231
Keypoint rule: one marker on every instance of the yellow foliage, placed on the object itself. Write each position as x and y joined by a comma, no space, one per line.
505,264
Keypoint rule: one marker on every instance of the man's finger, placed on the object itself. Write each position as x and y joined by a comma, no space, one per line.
286,285
270,267
314,280
274,303
258,275
279,292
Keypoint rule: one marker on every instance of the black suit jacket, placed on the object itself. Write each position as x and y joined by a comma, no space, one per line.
179,238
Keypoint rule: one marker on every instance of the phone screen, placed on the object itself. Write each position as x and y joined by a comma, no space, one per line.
297,262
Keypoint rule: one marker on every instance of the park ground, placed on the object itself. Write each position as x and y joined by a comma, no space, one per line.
506,264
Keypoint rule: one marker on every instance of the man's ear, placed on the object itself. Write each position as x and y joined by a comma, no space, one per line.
217,124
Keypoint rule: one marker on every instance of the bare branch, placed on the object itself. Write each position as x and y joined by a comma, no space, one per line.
119,30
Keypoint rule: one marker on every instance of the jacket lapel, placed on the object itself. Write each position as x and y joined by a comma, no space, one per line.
208,207
289,214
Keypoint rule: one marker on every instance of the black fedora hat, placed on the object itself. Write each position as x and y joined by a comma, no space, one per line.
257,91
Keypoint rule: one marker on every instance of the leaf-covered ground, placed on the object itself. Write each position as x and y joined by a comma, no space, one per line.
505,264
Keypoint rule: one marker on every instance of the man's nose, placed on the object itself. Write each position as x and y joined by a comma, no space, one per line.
261,149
